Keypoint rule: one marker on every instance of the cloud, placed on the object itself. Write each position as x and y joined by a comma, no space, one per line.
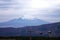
9,4
47,10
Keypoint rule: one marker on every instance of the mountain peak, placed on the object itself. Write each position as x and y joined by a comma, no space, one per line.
23,22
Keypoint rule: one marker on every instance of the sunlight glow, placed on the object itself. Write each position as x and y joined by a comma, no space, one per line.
39,4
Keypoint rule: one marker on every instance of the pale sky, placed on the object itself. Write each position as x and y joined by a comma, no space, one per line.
47,10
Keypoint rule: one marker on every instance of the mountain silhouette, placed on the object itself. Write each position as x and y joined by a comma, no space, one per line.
22,22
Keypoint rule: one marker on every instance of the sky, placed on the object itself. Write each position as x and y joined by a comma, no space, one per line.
47,10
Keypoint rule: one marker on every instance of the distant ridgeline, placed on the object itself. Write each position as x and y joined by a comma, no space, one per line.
22,22
52,30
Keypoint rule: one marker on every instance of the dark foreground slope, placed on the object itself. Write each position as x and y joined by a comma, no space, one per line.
35,30
28,38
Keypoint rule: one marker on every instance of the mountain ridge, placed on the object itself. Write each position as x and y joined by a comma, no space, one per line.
23,22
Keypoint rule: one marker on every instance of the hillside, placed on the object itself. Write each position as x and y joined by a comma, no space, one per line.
24,31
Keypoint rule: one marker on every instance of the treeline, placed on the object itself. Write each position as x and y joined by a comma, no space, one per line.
31,38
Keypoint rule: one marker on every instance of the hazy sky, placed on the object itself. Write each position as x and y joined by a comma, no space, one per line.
48,10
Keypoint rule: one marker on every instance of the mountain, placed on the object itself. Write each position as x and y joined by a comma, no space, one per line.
22,22
54,29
